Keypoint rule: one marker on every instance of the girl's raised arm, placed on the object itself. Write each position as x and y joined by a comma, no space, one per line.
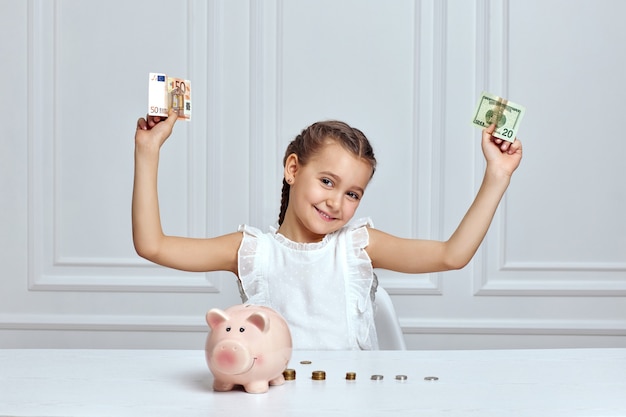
421,256
219,253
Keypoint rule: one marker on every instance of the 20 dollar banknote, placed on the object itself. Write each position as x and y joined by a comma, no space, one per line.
505,114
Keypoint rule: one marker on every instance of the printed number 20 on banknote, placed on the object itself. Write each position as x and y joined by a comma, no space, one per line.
505,114
166,93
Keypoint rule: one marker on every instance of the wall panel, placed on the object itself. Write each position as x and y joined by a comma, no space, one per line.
79,224
552,236
551,272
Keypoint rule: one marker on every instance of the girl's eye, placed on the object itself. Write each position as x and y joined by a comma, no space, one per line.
327,182
354,195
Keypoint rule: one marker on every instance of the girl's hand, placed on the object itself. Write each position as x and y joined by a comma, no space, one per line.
501,155
155,130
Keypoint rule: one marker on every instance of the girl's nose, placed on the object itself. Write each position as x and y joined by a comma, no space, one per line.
333,200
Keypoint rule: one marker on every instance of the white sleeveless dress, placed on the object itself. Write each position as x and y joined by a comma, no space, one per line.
324,290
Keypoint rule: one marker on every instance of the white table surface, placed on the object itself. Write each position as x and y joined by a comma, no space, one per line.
570,382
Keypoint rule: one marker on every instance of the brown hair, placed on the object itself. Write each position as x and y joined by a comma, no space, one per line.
311,140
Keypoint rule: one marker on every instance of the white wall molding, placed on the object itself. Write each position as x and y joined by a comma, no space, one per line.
265,153
213,126
544,283
514,327
493,274
429,29
49,268
184,283
92,322
401,284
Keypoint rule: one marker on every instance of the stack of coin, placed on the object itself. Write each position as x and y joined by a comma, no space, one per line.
318,375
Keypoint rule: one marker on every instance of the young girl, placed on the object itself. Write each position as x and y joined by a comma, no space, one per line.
316,269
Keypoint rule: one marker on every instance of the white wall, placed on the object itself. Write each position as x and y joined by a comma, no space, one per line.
551,273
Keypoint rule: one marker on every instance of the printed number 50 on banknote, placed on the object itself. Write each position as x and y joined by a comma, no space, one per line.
505,114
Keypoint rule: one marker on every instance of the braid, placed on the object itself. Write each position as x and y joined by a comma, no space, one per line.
284,202
294,147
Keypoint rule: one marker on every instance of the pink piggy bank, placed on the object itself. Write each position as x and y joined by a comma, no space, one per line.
248,345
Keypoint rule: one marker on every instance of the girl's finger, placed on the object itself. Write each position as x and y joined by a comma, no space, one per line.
153,120
172,116
142,124
515,146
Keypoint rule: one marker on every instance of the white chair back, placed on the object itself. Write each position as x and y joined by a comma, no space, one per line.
388,329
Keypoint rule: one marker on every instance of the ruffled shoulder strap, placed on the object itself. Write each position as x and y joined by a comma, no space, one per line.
250,277
360,222
249,230
362,283
359,233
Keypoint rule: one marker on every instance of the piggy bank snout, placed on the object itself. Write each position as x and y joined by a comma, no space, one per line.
231,357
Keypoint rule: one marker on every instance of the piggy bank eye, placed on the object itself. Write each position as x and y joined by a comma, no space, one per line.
241,329
228,329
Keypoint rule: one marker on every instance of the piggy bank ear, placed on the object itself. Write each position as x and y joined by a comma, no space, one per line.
215,316
260,320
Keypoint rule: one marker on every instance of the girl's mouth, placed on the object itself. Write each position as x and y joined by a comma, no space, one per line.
324,215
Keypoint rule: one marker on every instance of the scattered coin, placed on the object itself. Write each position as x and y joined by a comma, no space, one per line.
431,378
289,374
305,362
376,377
351,376
401,377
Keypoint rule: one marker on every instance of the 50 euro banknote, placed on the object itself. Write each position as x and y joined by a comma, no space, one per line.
505,114
165,93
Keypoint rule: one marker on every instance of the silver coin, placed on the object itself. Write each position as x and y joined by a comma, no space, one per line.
431,378
376,377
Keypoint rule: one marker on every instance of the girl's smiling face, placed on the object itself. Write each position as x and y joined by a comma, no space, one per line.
325,192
